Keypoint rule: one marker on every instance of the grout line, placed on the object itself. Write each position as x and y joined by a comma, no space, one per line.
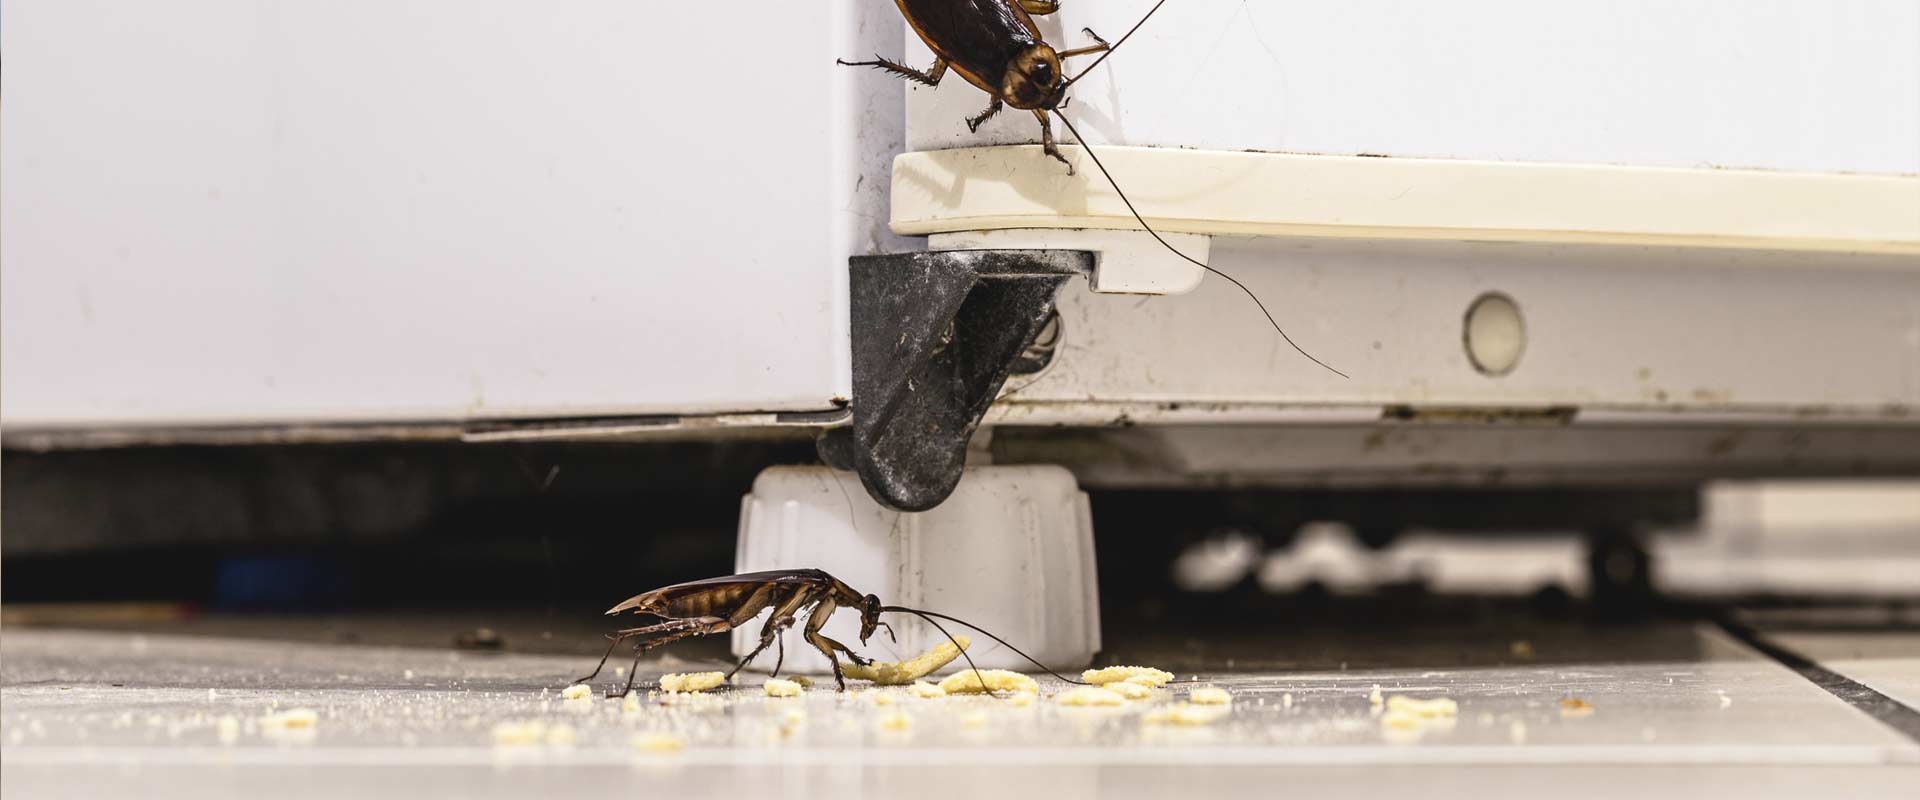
1893,713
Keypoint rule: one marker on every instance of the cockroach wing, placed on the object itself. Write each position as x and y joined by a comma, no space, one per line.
659,598
977,38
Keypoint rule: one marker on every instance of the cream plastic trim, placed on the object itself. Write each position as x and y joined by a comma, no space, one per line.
1281,194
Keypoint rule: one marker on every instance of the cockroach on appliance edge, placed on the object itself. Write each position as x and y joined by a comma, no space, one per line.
995,45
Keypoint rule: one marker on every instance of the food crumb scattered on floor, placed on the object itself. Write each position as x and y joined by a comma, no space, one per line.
658,742
1209,696
776,687
1433,707
1089,696
990,680
691,681
1575,708
1147,676
1184,714
1130,690
925,690
292,718
901,673
578,691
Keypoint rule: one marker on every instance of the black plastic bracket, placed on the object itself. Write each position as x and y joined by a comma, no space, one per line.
934,336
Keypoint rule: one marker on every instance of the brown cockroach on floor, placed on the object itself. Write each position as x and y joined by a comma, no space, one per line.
718,605
995,45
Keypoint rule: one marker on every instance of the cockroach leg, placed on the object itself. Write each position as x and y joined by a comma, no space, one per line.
1046,139
1101,45
664,633
974,123
931,77
1039,8
780,647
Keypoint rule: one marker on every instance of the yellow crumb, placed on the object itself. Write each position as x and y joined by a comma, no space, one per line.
804,681
658,742
990,680
292,718
691,681
1146,676
896,721
630,703
1184,714
776,687
1575,708
1436,707
578,691
974,719
1401,720
1130,690
519,733
1022,699
1374,696
793,716
926,690
1089,696
901,673
1209,696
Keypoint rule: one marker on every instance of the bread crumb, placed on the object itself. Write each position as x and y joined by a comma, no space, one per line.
691,681
804,681
901,673
924,690
1089,696
1145,676
1374,697
657,742
793,716
1436,707
1404,720
292,718
895,721
1184,714
1130,690
880,698
1022,699
578,691
776,687
1210,696
631,703
991,680
519,733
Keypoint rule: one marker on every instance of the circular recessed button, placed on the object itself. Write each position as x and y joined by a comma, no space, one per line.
1495,335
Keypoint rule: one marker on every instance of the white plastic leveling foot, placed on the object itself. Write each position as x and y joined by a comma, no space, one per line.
1010,551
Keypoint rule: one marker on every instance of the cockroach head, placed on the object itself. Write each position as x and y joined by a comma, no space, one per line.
870,618
1034,79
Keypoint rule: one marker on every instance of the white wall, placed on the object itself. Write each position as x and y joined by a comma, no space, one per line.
1811,85
227,211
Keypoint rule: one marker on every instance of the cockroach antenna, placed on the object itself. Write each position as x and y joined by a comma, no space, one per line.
1190,259
929,617
1136,212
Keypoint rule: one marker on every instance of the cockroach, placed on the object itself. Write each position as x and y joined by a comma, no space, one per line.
995,45
718,605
